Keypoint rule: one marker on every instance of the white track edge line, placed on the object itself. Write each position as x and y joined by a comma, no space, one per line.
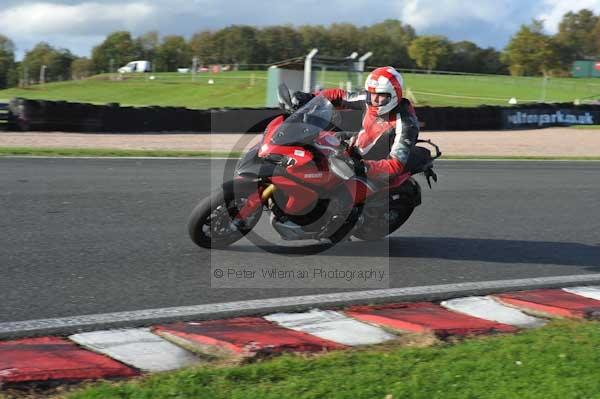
258,306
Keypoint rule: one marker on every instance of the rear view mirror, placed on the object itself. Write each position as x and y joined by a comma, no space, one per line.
283,95
340,168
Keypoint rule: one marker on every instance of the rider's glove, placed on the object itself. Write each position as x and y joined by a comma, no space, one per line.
360,168
344,135
299,98
358,165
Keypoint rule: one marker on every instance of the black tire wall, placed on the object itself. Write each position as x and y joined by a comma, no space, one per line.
42,115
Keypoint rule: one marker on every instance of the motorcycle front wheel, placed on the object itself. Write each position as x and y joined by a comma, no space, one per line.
212,223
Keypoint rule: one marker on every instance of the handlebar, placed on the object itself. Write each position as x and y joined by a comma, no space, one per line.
438,153
344,135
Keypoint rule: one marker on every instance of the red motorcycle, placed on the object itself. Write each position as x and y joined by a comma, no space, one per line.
306,176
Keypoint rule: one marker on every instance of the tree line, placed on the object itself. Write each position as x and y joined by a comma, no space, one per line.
529,52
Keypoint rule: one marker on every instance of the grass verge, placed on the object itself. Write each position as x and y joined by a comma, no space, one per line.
557,361
585,127
105,152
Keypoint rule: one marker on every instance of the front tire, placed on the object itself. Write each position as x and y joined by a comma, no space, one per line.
212,223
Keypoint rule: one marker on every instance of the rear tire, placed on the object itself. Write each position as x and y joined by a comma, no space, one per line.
345,230
383,218
370,230
221,207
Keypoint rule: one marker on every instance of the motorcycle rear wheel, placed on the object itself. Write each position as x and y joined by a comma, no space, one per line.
370,230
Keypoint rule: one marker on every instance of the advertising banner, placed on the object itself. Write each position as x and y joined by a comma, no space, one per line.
540,117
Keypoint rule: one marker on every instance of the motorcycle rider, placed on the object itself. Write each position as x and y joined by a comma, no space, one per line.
389,127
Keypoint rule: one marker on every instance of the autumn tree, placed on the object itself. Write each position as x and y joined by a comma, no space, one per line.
173,52
466,56
146,46
577,34
314,36
532,52
278,43
344,39
428,51
56,63
204,46
81,68
119,47
389,41
237,44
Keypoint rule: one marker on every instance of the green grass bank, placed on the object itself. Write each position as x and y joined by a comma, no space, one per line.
557,361
248,89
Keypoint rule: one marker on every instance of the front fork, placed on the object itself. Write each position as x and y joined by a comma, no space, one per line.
255,200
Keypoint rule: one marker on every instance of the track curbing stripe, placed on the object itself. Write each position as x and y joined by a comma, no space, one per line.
136,347
592,292
553,303
333,326
489,309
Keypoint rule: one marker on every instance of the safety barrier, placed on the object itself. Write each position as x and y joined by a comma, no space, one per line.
5,116
81,117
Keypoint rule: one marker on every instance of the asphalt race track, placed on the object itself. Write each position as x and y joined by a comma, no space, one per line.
84,236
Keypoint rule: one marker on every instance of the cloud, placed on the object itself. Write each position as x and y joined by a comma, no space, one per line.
486,22
426,14
556,9
91,18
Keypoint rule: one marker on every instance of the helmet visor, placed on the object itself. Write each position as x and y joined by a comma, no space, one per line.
378,99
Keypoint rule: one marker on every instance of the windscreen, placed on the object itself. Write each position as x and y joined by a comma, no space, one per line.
303,126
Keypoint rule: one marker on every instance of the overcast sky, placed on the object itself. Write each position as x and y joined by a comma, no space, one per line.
79,25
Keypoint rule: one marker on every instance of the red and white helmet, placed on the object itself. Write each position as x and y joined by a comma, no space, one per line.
384,80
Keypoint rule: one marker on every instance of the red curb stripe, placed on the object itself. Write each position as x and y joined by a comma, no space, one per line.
553,302
247,336
53,358
426,316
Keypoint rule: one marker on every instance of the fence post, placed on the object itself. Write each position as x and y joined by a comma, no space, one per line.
111,66
43,74
544,84
25,75
194,68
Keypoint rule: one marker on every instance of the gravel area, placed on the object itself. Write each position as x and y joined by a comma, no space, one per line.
542,142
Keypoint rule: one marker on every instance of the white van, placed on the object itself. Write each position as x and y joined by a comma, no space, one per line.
136,66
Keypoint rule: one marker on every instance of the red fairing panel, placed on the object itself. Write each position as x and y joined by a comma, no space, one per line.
300,199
